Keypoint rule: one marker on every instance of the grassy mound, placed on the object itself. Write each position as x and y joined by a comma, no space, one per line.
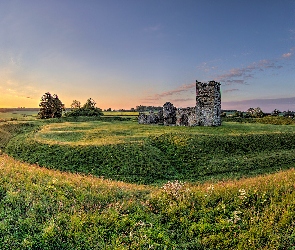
10,129
46,209
146,154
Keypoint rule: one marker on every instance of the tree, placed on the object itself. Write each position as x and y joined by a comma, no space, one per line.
289,114
75,105
238,114
90,104
276,112
255,112
50,106
88,109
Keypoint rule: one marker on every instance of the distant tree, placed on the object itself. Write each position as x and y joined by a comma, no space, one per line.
109,109
75,105
250,111
289,114
88,109
90,104
255,112
50,106
223,114
275,112
238,114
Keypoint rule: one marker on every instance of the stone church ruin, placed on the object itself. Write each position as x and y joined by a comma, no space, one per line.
206,112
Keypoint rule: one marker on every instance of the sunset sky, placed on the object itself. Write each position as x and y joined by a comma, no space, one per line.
123,53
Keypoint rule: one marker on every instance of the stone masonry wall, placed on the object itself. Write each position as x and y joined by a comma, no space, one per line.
206,112
208,104
186,116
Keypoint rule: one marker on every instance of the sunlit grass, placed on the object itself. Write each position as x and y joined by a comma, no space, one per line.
19,115
104,133
120,113
49,209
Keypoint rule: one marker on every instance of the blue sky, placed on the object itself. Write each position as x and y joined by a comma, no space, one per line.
132,52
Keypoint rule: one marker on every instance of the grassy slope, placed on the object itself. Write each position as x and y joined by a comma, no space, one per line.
47,209
121,150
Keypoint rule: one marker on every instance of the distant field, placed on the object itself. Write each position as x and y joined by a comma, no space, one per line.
31,115
19,115
119,113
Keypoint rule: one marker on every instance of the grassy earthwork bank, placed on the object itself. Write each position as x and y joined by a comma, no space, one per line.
49,209
126,151
114,184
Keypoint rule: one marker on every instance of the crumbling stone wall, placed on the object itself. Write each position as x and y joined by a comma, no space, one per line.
208,103
169,114
151,118
186,116
206,112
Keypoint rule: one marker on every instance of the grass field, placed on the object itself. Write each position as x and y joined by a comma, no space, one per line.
19,115
137,153
103,133
196,194
46,209
120,113
32,115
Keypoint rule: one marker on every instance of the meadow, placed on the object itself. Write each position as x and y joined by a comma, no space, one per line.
29,114
110,184
18,115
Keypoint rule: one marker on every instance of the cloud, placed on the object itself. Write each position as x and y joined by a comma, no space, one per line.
289,54
230,90
267,105
286,55
182,99
207,67
241,75
180,89
232,77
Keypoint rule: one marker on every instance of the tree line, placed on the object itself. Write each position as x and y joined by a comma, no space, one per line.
52,107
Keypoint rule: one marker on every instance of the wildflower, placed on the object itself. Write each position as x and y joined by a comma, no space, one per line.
173,188
210,189
235,218
243,194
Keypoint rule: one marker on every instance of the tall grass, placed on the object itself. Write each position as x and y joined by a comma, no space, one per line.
46,209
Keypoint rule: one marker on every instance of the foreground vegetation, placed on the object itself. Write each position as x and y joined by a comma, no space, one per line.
46,209
197,195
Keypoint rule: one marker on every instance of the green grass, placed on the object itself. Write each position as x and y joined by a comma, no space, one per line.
155,154
102,133
46,209
18,115
197,197
120,113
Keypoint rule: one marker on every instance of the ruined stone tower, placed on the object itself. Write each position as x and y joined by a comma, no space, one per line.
208,104
206,112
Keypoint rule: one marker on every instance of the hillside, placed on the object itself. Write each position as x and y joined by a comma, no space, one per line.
48,209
